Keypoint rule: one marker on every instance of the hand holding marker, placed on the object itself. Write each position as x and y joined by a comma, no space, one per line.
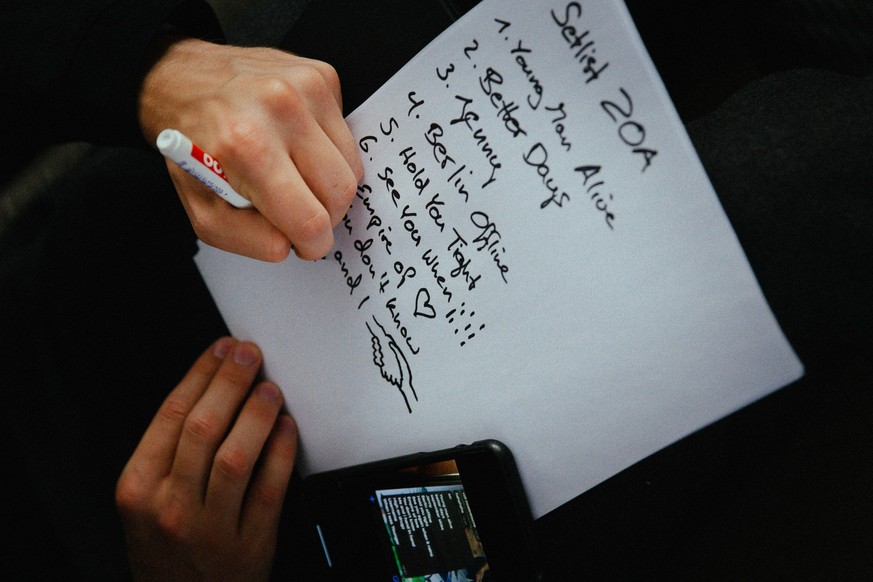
178,148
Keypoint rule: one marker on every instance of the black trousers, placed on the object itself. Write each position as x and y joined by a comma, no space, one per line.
102,311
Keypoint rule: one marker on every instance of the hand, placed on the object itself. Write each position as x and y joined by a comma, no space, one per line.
275,122
201,496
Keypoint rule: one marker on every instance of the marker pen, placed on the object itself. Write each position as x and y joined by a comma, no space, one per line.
175,146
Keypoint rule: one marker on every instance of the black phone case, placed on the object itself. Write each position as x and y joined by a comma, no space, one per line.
492,485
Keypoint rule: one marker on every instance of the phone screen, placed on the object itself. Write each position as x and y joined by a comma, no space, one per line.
431,529
437,521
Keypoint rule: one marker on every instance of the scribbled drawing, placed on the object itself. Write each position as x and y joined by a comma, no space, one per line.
423,306
393,367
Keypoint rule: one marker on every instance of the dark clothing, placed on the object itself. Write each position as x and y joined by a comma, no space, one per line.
71,402
72,70
102,309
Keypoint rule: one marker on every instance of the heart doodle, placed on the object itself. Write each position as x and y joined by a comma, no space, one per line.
423,307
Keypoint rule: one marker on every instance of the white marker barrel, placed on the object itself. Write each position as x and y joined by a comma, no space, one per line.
175,146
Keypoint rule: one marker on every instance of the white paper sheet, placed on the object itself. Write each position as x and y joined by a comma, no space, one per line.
535,255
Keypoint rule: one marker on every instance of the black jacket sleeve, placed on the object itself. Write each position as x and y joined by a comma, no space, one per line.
72,70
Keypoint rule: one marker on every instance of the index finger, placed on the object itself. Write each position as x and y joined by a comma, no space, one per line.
241,231
154,455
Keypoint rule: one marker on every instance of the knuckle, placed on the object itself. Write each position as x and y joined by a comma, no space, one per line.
281,97
131,495
329,78
315,226
203,427
204,225
233,462
173,522
243,138
173,410
277,249
276,90
311,76
268,495
325,69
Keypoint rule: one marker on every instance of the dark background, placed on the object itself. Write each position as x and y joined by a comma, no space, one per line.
102,310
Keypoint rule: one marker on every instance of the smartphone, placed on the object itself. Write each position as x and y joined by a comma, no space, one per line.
449,516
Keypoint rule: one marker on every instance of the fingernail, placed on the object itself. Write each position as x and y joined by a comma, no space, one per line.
245,355
287,425
269,391
222,347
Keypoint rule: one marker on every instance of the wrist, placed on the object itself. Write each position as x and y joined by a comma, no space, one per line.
161,98
189,22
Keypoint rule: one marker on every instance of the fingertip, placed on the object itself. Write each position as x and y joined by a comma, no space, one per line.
287,425
308,255
242,231
277,250
270,392
222,347
246,354
274,250
314,252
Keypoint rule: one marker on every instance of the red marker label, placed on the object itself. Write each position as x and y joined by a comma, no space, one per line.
183,152
207,161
